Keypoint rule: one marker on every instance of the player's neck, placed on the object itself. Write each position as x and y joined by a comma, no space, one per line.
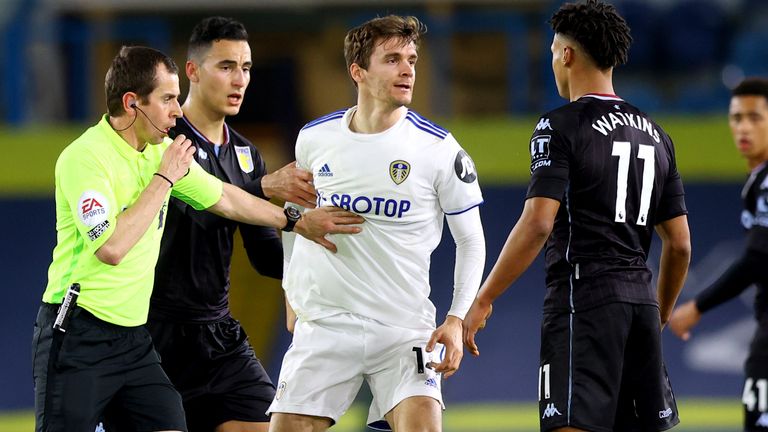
592,81
369,119
753,163
209,124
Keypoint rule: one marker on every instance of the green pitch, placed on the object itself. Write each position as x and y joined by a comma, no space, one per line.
701,415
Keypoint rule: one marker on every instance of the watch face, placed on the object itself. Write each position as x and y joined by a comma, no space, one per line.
293,213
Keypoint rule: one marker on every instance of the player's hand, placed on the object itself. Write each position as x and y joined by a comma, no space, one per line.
177,158
684,318
317,223
290,184
475,320
448,334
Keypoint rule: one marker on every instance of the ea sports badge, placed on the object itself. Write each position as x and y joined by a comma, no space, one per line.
399,170
244,158
92,208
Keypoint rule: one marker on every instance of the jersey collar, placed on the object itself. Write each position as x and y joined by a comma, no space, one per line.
203,137
604,96
117,141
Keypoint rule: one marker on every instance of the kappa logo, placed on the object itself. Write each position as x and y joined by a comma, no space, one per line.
325,171
550,411
543,124
762,421
665,413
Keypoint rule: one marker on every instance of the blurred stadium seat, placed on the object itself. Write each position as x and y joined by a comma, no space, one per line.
693,34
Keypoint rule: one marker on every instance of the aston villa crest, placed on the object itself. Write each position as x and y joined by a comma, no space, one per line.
244,158
399,170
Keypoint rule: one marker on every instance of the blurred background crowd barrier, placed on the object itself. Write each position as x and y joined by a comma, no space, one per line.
484,73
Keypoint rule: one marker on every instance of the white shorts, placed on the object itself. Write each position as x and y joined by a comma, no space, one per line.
324,367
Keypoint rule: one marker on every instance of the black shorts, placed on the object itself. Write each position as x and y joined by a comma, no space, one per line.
216,371
602,370
754,396
93,364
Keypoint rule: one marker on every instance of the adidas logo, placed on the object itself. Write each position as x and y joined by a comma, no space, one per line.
665,413
431,382
550,411
325,171
762,421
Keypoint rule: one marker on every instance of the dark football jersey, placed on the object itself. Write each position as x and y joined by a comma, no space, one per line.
750,268
614,172
192,272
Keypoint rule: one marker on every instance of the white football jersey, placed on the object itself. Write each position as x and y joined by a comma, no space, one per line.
402,181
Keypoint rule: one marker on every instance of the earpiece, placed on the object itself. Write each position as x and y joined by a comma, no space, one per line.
132,104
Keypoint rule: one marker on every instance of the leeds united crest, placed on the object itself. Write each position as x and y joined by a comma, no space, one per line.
399,170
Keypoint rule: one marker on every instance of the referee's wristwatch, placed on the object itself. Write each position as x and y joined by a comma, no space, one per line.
293,215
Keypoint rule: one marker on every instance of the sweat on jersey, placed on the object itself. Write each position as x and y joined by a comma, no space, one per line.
614,172
98,176
402,181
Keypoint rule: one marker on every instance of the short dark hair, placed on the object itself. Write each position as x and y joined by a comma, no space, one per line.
598,28
134,69
753,86
211,29
361,40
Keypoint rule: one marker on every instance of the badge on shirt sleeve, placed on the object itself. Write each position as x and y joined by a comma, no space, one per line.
244,158
92,208
540,151
464,167
399,170
93,211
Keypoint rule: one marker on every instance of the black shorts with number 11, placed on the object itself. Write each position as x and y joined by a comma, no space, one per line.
601,369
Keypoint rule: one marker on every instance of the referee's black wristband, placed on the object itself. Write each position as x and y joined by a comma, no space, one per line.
164,178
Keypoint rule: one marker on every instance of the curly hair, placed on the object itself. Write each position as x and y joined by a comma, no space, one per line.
211,29
598,28
361,40
134,69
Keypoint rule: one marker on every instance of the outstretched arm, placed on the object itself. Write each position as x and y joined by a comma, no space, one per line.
523,245
290,184
236,204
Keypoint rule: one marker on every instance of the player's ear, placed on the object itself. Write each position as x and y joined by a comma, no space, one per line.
568,54
356,72
191,69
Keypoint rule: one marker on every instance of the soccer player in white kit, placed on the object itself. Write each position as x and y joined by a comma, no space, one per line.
364,312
